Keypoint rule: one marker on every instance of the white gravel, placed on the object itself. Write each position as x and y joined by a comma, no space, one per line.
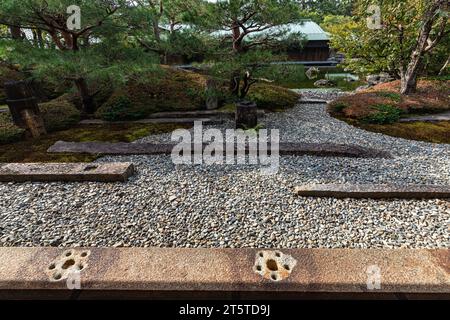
236,206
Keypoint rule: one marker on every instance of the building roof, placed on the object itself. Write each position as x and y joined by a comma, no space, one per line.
309,29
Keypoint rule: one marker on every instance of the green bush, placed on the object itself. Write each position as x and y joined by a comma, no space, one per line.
59,114
8,131
396,97
120,108
385,114
273,98
339,107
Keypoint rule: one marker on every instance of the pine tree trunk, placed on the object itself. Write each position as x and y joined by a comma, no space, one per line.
86,98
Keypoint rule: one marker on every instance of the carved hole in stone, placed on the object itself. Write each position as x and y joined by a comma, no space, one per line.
278,254
68,264
80,266
90,168
261,254
84,254
274,277
272,265
258,268
57,276
286,267
68,254
52,266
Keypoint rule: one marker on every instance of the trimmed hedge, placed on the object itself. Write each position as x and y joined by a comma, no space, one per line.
273,98
59,114
172,90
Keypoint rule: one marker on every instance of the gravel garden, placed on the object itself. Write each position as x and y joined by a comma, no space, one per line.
234,205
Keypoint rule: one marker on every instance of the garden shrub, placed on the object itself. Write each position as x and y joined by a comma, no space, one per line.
173,90
273,98
121,108
396,97
385,114
59,114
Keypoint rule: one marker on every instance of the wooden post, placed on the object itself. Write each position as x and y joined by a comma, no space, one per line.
24,108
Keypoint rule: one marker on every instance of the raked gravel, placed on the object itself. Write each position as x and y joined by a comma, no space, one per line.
235,206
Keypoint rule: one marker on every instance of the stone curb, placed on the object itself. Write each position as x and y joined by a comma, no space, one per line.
373,191
186,121
406,271
66,172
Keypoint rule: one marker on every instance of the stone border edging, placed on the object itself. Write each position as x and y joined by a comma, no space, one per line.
66,172
285,149
406,271
186,121
373,191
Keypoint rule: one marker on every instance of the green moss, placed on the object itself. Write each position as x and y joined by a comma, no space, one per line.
35,150
438,132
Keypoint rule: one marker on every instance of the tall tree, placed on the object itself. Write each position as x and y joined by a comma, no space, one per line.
51,17
410,31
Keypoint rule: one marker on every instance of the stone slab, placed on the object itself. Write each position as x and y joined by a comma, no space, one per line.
66,172
370,191
405,271
445,116
288,148
199,114
188,121
313,101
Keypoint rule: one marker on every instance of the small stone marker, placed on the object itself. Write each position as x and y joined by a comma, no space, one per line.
24,108
66,172
369,191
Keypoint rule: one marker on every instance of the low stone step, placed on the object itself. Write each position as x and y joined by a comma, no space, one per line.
188,121
199,114
66,172
313,101
373,191
285,148
428,118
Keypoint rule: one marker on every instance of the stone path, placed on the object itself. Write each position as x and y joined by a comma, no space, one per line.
445,116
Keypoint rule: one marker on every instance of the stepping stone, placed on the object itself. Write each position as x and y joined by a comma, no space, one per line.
371,191
66,172
189,121
293,149
428,118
